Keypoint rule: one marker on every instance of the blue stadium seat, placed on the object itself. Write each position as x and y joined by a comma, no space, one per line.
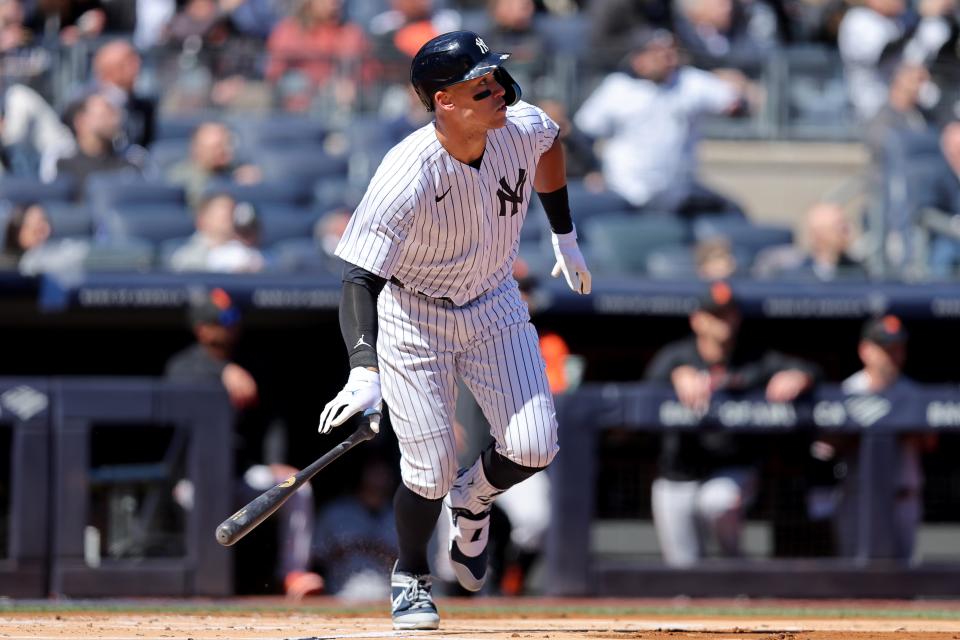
278,226
293,192
282,131
127,255
301,164
746,237
181,127
586,204
151,221
302,255
620,244
108,190
672,262
23,190
69,220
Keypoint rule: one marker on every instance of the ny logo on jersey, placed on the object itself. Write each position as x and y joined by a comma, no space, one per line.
483,45
514,196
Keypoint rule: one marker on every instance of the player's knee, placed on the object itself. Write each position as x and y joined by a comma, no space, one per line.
510,467
531,455
430,486
720,497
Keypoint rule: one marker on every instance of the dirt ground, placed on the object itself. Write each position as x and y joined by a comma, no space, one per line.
321,618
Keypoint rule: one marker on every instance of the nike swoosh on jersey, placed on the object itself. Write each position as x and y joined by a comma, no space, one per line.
443,195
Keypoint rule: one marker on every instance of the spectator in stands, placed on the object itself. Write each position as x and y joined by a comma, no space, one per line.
32,136
896,488
211,158
216,246
714,258
902,112
27,246
727,33
202,20
512,29
355,540
216,356
878,35
316,49
95,122
116,68
943,194
615,23
707,479
829,253
256,18
75,20
327,232
399,32
646,116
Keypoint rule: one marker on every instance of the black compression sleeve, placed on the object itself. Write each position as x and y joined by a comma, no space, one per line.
358,315
556,204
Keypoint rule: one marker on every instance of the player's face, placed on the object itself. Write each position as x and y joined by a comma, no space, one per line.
480,101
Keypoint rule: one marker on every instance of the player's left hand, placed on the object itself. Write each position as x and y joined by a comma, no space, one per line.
361,392
570,262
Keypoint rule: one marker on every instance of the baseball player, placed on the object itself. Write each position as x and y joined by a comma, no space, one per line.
428,298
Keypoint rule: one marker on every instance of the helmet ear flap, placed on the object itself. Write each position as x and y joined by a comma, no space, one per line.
511,89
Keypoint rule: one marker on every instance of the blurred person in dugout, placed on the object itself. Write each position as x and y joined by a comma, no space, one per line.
355,539
216,355
896,486
212,157
521,516
708,478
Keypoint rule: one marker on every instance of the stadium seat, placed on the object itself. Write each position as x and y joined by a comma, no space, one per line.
279,225
300,164
302,255
151,221
672,262
108,190
586,204
620,244
282,131
126,255
69,220
23,190
746,237
293,192
181,127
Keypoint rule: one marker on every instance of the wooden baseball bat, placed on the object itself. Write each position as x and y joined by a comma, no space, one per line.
260,508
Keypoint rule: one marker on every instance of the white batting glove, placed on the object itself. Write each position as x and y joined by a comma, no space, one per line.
570,262
361,392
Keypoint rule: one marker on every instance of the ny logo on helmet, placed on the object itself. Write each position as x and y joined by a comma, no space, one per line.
483,45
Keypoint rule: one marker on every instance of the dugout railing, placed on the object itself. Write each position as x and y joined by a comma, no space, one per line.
114,486
573,568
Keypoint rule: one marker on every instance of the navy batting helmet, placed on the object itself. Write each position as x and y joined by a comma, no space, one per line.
455,57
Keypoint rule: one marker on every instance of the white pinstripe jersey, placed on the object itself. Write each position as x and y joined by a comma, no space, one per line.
443,228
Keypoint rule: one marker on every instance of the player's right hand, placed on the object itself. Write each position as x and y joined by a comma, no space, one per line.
361,392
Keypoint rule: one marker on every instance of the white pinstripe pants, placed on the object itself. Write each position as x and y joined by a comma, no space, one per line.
424,345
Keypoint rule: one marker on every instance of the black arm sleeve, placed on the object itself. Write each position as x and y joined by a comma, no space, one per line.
556,205
358,314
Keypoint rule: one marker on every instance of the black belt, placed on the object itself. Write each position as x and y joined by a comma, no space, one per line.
395,282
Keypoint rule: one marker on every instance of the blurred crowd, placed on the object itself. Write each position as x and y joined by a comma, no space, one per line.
234,135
